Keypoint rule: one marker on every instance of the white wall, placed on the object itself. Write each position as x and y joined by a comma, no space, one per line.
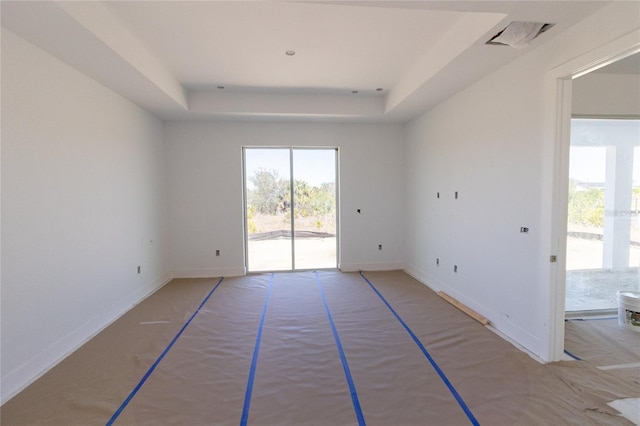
83,205
490,143
616,95
84,183
205,190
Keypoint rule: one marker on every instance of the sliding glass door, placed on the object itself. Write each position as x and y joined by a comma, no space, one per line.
290,208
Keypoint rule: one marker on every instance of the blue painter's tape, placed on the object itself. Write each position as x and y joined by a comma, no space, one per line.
592,319
343,358
254,360
444,378
572,355
160,358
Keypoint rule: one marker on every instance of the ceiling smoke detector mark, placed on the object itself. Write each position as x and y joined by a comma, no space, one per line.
519,34
290,52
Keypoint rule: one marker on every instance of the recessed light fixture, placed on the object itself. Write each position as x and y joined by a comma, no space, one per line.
354,91
290,52
379,89
220,87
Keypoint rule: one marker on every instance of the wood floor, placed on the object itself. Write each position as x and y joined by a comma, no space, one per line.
325,348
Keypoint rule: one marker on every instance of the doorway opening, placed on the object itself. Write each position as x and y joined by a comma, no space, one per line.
603,229
565,109
291,207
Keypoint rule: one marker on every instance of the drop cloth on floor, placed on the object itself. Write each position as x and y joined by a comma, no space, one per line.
300,378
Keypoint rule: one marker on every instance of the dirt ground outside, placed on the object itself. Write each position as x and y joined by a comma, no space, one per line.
275,255
588,286
259,223
269,247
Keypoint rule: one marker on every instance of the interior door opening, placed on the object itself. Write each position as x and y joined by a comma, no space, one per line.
603,228
290,208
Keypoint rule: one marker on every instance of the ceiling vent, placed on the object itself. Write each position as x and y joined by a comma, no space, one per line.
519,34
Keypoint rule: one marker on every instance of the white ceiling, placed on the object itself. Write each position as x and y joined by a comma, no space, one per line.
243,44
171,57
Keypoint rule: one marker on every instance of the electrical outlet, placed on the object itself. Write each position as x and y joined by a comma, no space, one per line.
217,252
379,246
138,269
437,261
455,268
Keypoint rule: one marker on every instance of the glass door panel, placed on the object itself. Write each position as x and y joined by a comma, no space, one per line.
268,209
314,208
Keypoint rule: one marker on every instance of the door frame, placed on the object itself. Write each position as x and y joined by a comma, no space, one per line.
561,79
290,148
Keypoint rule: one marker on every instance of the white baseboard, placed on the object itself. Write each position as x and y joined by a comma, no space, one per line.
19,378
424,278
516,344
381,266
209,273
